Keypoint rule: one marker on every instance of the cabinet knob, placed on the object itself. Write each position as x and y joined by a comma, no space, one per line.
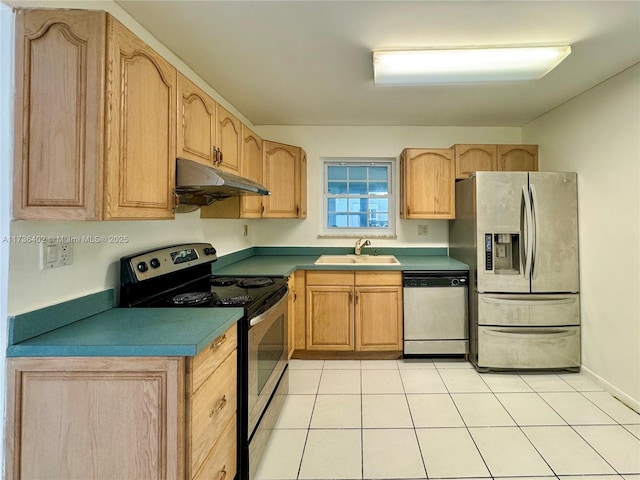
219,406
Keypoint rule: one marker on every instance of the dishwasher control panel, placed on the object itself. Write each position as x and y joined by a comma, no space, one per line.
434,279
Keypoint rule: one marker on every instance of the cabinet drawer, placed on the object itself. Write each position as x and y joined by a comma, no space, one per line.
221,463
211,407
202,365
329,277
379,278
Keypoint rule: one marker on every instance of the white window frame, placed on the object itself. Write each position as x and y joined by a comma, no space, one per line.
388,232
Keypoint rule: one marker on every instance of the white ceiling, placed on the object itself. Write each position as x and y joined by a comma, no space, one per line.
310,62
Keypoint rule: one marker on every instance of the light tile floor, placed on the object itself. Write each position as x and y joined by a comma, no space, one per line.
419,419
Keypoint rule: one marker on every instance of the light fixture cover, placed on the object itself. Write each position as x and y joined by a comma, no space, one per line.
465,65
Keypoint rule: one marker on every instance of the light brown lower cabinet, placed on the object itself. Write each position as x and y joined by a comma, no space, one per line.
123,417
354,311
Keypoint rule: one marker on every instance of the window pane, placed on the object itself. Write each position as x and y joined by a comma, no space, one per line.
358,173
337,188
337,205
379,204
359,220
358,204
357,188
337,221
378,220
337,173
378,173
378,187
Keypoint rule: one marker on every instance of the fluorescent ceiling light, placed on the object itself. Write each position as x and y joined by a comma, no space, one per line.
469,65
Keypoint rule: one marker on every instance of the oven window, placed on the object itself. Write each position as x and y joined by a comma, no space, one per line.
270,351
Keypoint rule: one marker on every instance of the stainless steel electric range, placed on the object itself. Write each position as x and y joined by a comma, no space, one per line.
180,276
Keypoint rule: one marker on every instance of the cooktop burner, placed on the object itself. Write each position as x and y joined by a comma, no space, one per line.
237,300
222,281
192,298
255,282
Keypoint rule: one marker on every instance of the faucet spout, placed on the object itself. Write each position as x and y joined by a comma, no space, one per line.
360,244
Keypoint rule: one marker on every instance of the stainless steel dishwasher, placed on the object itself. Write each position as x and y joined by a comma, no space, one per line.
435,312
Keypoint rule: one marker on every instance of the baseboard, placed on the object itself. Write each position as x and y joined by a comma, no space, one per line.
616,392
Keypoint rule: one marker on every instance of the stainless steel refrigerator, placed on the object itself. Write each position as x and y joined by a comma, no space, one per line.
518,232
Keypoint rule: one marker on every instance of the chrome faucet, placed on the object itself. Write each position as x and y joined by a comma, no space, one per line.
360,244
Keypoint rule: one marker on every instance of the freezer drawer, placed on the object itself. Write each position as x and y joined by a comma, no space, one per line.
528,310
528,347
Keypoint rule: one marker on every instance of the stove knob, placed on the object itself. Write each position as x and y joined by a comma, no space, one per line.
142,267
155,263
209,251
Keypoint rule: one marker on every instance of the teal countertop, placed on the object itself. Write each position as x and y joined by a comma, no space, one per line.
126,332
285,260
92,326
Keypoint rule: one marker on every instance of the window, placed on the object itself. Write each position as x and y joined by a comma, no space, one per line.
358,197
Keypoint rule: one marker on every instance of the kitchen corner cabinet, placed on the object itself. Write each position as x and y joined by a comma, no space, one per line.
475,158
427,184
353,311
123,417
285,176
95,122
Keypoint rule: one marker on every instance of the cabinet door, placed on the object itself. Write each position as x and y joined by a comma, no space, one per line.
428,183
141,129
474,158
251,169
282,178
59,114
378,318
518,158
95,418
229,140
196,123
330,318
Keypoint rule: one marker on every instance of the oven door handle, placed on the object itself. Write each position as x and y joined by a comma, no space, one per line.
263,316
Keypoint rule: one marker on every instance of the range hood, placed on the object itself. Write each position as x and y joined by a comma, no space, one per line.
198,185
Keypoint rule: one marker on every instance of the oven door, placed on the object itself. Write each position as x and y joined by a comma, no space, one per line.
267,358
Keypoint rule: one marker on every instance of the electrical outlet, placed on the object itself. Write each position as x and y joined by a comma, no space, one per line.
423,230
54,254
246,230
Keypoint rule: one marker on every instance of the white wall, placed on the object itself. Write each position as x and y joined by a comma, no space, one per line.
385,142
597,134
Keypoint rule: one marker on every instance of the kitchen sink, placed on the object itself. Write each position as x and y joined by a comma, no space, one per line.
357,260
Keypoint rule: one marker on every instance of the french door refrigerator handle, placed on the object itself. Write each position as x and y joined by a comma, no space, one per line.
534,215
528,232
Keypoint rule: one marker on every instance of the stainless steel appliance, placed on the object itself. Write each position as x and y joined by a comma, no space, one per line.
435,312
180,276
518,232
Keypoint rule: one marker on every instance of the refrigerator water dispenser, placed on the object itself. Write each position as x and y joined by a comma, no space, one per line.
502,253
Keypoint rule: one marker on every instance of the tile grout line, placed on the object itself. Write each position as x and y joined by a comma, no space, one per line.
306,437
415,431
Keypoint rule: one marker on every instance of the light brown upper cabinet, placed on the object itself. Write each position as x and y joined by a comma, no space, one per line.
244,206
475,158
229,140
196,123
513,158
427,184
285,176
95,122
